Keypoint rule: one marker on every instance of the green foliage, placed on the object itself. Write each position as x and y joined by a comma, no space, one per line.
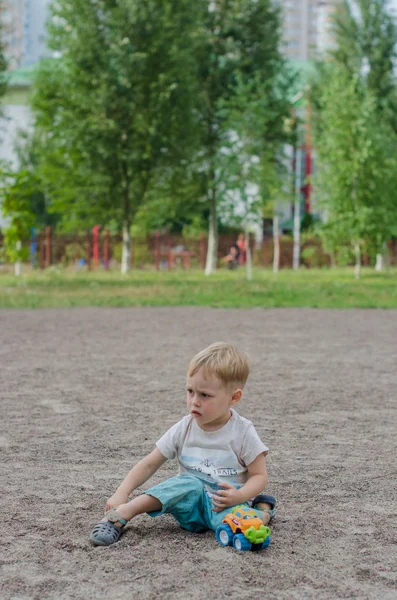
243,82
28,153
133,119
142,256
23,199
74,251
194,229
308,222
355,100
115,109
17,192
358,163
173,203
365,45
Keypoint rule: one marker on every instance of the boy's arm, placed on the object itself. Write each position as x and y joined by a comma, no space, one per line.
257,480
138,475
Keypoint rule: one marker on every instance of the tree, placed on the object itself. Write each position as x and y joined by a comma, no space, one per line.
252,164
357,172
116,107
365,44
363,55
17,191
239,61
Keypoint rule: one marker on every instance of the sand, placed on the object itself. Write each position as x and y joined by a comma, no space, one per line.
85,393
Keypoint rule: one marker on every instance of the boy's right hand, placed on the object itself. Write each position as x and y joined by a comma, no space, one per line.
115,501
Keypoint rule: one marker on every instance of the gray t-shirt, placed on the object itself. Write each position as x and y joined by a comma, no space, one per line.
214,456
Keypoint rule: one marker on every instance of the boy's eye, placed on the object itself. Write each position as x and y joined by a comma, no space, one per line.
205,395
190,391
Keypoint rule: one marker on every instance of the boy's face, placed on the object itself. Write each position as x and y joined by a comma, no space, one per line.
209,400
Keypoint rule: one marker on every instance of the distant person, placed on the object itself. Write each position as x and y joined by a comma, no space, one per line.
242,246
232,258
221,457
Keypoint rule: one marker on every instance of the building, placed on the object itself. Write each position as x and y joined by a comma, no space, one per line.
24,31
306,36
23,35
12,31
306,31
15,106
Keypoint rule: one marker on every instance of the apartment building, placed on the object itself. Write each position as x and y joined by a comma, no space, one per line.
24,34
306,32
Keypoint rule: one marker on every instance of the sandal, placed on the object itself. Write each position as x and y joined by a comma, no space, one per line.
109,531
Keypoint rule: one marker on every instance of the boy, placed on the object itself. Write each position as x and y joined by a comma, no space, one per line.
221,457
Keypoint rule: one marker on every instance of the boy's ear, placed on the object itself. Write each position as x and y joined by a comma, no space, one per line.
236,396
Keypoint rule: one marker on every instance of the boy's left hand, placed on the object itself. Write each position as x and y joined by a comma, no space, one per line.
230,496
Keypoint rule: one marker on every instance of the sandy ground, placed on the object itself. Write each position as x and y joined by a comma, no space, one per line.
85,393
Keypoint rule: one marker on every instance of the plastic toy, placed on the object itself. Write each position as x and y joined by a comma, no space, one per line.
243,529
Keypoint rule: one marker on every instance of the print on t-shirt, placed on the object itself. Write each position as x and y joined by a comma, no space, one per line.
212,464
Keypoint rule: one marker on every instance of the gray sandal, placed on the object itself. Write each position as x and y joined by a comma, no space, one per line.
107,532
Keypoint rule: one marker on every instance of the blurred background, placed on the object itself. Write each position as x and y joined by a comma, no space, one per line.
199,135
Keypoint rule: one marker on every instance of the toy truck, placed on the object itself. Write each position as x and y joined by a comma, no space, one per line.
243,529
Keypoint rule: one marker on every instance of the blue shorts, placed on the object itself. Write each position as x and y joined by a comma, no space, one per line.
186,498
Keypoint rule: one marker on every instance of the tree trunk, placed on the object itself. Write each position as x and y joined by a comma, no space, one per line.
276,245
297,212
212,250
126,249
357,266
17,265
381,258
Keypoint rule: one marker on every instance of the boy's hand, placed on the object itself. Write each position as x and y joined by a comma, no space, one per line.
230,496
115,501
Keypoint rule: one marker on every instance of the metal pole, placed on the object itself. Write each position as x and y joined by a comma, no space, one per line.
276,244
48,246
106,250
157,251
248,255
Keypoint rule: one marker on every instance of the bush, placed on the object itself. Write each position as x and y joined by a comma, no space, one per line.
74,251
141,255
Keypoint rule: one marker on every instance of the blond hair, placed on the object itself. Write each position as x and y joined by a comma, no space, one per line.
224,361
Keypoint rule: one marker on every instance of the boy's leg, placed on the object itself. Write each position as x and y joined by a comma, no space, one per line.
109,530
264,510
137,506
266,505
181,497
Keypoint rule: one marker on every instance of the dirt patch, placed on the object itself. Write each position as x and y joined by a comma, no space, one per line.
85,393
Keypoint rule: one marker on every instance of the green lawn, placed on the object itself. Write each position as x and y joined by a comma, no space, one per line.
310,288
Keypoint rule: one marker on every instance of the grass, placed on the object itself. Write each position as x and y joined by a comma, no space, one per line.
310,288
